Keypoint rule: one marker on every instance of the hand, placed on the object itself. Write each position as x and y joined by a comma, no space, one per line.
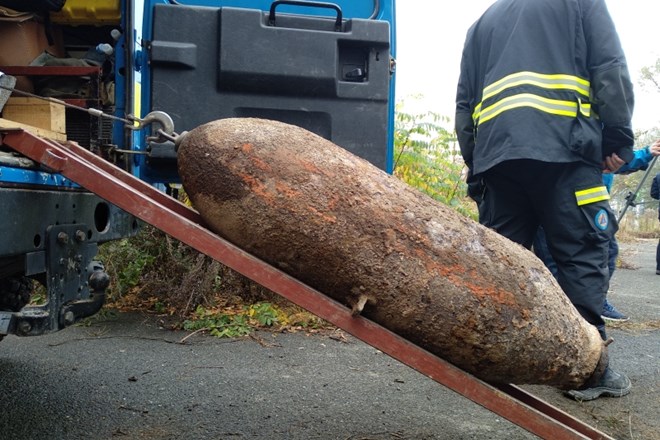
655,148
612,163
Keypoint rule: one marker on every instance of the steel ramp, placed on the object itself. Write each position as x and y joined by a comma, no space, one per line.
184,224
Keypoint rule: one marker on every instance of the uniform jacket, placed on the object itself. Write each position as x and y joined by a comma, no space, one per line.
544,80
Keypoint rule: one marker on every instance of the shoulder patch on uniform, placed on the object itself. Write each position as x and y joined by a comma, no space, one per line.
602,219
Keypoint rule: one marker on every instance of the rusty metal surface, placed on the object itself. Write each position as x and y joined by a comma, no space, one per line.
387,250
138,198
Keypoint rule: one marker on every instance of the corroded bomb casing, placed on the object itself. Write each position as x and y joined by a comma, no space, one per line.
402,259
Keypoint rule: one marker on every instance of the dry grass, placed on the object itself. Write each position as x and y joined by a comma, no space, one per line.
174,280
635,326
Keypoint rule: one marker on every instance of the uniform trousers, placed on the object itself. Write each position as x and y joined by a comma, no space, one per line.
522,195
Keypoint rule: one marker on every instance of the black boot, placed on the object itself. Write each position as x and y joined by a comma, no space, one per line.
612,384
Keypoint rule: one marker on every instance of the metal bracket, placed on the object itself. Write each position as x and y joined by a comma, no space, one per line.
69,267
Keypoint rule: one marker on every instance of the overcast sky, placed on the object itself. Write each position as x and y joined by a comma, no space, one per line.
430,36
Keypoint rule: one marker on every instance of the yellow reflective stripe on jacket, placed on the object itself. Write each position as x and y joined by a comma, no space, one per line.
545,81
552,106
550,82
592,195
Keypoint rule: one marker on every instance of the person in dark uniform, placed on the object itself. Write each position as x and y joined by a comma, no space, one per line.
544,105
655,193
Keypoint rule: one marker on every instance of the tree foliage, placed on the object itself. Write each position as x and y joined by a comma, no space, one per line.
426,156
650,76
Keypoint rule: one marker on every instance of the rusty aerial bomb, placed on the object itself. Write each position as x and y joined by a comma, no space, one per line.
388,251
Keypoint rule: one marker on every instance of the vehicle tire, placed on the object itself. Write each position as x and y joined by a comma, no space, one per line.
15,293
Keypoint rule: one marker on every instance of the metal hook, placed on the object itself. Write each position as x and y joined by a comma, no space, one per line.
156,116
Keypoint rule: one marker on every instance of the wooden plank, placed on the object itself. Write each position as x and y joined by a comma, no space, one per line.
7,124
37,113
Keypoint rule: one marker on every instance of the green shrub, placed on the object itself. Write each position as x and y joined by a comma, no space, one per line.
233,323
427,157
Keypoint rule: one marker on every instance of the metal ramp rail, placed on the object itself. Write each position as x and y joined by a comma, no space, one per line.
184,224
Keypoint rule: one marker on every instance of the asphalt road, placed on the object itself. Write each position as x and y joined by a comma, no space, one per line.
127,378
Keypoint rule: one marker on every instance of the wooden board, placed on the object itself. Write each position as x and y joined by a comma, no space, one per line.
37,113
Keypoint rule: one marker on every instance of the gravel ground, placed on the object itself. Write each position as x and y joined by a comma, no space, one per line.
127,378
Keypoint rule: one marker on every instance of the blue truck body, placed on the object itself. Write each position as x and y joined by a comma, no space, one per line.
328,67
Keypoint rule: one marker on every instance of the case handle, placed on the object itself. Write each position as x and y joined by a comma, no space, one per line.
271,15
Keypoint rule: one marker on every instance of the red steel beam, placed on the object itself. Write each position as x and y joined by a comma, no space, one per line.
138,198
147,190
